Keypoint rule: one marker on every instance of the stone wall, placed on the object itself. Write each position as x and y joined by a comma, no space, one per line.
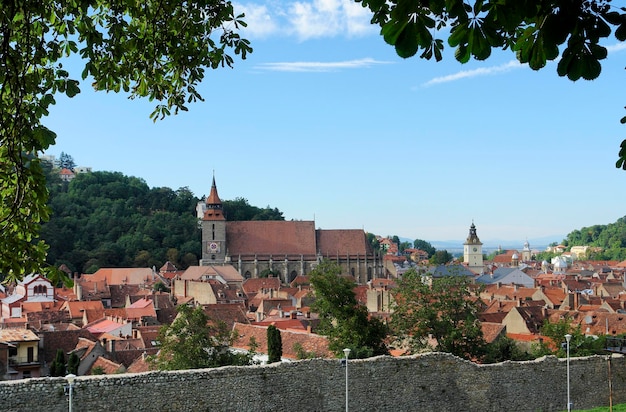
431,382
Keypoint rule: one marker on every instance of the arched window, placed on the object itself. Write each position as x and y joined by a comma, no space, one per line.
247,275
292,276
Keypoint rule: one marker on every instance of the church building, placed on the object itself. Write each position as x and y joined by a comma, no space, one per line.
285,249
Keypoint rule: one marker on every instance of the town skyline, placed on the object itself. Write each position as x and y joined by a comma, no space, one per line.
324,121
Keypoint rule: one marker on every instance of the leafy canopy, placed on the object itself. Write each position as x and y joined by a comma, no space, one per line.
343,319
536,31
580,344
193,341
445,309
154,49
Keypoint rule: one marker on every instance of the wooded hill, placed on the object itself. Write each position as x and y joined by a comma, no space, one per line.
610,238
107,219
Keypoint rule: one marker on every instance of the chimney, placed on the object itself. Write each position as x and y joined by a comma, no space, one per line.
259,315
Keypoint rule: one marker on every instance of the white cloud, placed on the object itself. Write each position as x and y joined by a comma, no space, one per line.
307,19
483,71
616,47
260,21
319,66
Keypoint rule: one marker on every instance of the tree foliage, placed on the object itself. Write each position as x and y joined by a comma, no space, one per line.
240,209
555,342
72,363
343,320
58,367
193,341
536,31
610,240
153,49
107,219
425,246
503,349
274,344
441,257
66,161
373,241
446,310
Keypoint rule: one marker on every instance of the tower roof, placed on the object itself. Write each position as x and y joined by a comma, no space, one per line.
472,238
213,205
213,198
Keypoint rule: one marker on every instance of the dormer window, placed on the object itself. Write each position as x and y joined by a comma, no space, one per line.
40,290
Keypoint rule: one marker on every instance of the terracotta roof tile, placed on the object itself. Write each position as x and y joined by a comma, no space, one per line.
229,313
255,285
108,367
271,238
123,276
342,242
491,331
309,342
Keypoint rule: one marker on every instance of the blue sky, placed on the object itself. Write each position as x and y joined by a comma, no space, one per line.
325,122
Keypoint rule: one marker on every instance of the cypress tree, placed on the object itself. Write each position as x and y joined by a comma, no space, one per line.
274,344
57,368
72,363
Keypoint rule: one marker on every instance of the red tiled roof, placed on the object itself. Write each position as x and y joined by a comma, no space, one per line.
229,313
123,276
343,242
76,308
108,367
491,331
139,365
271,237
255,285
309,342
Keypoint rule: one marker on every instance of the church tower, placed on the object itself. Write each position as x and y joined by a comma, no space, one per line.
526,252
473,251
213,230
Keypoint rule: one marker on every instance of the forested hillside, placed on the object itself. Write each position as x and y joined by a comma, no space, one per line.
107,219
611,238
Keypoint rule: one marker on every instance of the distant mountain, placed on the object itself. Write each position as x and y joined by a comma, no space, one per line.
536,243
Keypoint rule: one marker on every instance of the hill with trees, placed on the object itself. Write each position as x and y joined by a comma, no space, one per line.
107,219
609,239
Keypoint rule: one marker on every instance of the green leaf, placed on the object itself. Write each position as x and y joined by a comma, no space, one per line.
407,42
392,30
459,34
72,88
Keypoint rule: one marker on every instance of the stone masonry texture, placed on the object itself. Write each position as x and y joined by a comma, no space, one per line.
430,382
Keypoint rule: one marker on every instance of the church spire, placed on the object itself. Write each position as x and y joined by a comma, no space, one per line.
213,205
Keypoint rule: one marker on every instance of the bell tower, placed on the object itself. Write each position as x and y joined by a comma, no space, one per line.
213,230
473,251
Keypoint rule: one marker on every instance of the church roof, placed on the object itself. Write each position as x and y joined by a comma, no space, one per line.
269,237
343,242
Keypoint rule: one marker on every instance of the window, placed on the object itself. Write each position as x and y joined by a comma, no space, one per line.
40,290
